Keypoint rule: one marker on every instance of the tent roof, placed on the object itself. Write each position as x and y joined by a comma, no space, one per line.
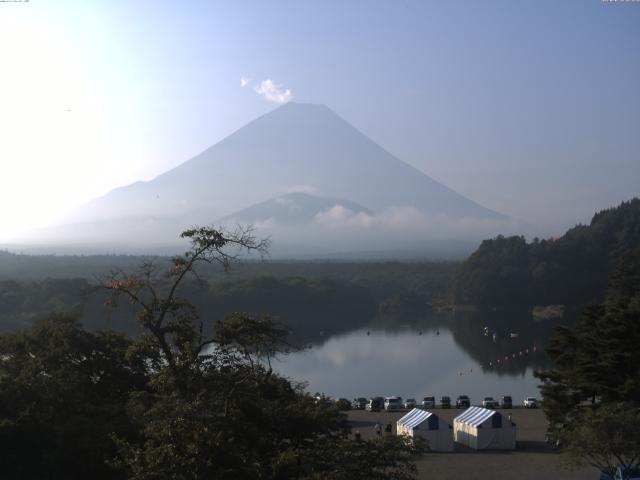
475,416
415,417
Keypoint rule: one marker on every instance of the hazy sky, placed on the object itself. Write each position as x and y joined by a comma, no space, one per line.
529,108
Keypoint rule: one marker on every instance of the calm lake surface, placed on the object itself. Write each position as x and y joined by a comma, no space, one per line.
442,356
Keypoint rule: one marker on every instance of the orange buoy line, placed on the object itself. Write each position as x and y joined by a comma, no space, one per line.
506,358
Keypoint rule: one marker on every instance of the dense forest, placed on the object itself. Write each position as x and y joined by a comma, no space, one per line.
332,297
337,296
592,390
570,270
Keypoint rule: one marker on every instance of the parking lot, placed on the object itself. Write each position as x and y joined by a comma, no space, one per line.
532,459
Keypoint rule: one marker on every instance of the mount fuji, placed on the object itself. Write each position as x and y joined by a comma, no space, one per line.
301,166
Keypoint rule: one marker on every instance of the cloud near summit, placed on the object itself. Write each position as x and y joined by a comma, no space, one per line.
269,90
272,92
410,219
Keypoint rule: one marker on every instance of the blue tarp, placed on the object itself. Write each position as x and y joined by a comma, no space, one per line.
417,417
476,416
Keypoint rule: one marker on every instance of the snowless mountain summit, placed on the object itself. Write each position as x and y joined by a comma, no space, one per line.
296,148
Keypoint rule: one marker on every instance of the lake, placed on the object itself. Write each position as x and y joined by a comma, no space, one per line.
442,355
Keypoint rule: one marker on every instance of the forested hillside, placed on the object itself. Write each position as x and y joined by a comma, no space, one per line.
305,295
303,305
571,270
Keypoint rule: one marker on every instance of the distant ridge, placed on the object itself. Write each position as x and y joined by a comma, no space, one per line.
292,208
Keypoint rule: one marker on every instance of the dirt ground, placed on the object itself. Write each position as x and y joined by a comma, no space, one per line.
532,459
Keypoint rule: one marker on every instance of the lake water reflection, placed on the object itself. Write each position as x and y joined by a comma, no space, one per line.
442,357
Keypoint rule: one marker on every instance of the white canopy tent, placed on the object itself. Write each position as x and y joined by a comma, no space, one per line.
427,425
484,429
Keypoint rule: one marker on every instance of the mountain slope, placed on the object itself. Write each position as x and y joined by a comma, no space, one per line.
297,147
300,149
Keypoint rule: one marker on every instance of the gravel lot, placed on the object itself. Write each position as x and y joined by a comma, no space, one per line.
533,458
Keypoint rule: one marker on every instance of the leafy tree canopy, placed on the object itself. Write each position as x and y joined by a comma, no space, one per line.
592,396
572,269
181,401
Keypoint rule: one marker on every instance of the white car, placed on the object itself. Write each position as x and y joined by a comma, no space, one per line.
530,402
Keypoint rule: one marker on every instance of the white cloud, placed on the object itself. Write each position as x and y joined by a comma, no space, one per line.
272,92
244,81
393,218
308,189
402,217
339,216
409,218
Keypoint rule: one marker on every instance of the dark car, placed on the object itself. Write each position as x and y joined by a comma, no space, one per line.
392,404
410,403
552,438
489,402
359,403
507,402
429,402
620,472
463,401
374,404
445,402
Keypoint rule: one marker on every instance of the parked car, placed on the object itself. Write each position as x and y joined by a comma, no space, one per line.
620,473
392,404
463,401
429,402
359,403
551,437
374,405
488,402
507,402
530,402
410,403
445,402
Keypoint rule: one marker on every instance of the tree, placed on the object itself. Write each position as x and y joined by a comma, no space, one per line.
63,391
378,459
598,360
181,401
213,407
170,323
595,385
604,437
572,269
